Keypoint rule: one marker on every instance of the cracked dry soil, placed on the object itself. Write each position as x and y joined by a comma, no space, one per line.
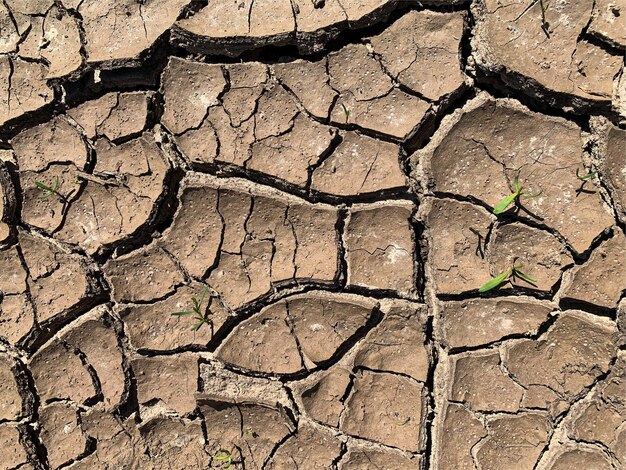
321,176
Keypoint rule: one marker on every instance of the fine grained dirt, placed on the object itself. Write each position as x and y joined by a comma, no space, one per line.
320,175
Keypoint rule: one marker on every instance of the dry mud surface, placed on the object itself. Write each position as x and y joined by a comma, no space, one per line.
324,171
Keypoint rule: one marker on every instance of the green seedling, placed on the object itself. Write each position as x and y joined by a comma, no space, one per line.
196,310
346,111
518,192
225,457
588,176
49,191
583,181
509,275
544,23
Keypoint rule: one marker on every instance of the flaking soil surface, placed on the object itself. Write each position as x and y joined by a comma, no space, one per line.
309,185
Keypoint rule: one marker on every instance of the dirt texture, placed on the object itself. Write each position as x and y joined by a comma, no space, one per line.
252,234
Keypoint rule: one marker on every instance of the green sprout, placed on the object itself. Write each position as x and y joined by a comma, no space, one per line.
346,111
518,192
196,310
225,457
48,191
583,181
508,275
588,176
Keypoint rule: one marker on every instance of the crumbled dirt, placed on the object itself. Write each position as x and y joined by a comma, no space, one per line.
254,234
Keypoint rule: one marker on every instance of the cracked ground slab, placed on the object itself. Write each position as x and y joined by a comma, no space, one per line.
255,232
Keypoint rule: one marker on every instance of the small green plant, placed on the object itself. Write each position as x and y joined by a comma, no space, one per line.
346,111
588,176
518,192
196,310
225,457
544,23
49,191
509,275
583,181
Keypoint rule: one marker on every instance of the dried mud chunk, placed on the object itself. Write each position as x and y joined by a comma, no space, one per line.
479,381
386,408
359,165
275,114
55,141
253,429
612,148
371,103
322,400
114,115
324,322
60,433
309,82
513,442
118,444
251,24
432,40
10,398
189,89
119,203
539,253
347,68
576,350
196,233
396,114
58,373
475,322
59,280
43,211
397,344
551,61
247,81
61,37
153,326
13,453
491,139
601,418
218,381
290,156
175,443
459,431
135,25
607,263
17,315
171,381
309,448
143,275
358,458
268,238
264,343
379,247
581,458
93,335
23,86
9,34
456,236
608,22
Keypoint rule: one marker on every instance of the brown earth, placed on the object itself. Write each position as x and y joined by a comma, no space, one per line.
312,184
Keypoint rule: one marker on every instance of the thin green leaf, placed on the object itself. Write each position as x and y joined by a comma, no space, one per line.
40,185
180,314
526,277
206,288
346,111
496,281
589,175
197,326
504,203
530,196
516,187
